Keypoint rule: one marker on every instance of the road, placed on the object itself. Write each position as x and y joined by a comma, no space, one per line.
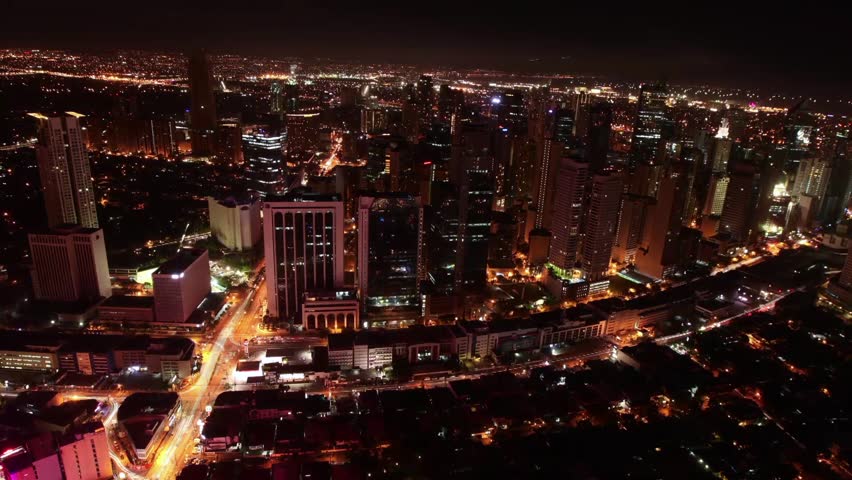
211,381
719,323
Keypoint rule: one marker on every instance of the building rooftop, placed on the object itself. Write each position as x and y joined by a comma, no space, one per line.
128,301
147,403
180,262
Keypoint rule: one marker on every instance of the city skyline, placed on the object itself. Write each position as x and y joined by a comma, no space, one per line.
628,45
218,265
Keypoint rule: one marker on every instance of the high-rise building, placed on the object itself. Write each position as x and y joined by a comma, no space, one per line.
568,212
303,242
839,188
424,99
716,193
544,191
229,148
597,139
563,125
741,200
66,176
276,98
660,245
202,113
476,195
631,220
390,255
653,125
235,221
181,284
721,154
373,120
264,160
812,177
601,224
302,134
70,264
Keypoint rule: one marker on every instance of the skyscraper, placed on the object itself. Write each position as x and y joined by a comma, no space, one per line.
390,257
631,220
740,203
543,195
660,246
303,242
653,125
70,264
263,151
597,140
276,98
65,173
568,213
202,114
601,224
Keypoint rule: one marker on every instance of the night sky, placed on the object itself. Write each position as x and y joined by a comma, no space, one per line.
797,48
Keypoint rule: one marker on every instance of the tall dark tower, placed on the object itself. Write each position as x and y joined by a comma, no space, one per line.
597,140
202,114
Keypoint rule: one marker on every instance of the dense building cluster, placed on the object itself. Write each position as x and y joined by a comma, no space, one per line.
245,267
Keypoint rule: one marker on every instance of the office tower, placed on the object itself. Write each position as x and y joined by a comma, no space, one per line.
544,192
737,122
660,246
66,176
399,168
264,160
302,134
568,213
181,284
631,220
373,120
229,145
476,195
740,203
597,139
653,125
202,114
303,242
798,131
276,98
716,194
235,221
424,98
601,224
511,113
471,149
721,150
390,257
450,102
442,221
839,187
812,177
70,264
563,126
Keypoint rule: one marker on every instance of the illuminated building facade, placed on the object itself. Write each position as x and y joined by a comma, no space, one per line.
390,254
264,160
66,176
303,242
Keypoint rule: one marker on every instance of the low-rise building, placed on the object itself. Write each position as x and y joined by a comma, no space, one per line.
146,417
